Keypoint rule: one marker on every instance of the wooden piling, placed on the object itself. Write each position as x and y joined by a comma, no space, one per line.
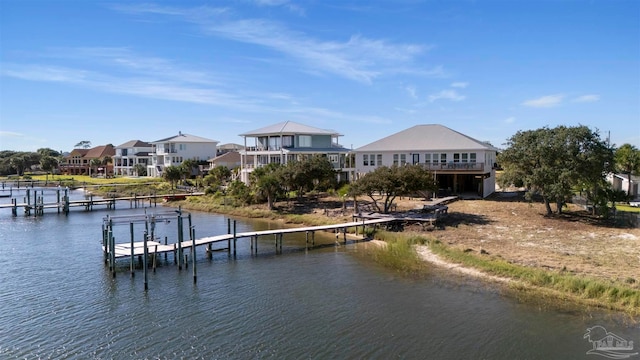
235,239
180,239
131,264
155,255
144,262
193,252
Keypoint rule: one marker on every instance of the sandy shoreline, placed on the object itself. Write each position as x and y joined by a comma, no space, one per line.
427,255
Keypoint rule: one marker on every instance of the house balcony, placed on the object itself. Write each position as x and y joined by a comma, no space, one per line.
455,167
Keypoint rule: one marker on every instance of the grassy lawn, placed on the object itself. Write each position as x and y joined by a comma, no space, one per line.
94,180
628,208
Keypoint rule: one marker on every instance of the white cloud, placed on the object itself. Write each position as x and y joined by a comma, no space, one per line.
446,95
357,58
460,85
411,90
545,101
11,134
510,120
587,98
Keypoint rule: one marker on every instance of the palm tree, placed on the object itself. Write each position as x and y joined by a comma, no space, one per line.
94,163
105,163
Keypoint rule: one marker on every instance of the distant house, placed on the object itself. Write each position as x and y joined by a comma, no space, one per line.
172,151
460,164
229,159
79,161
130,154
225,148
621,182
290,141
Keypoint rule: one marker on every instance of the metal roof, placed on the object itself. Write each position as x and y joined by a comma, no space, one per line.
133,143
289,128
184,138
430,137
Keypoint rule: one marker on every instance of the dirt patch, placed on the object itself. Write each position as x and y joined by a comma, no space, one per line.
518,231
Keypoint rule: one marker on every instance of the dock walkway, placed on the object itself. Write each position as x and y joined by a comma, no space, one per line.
154,247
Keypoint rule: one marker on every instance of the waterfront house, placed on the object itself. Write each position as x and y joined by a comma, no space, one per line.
172,151
85,161
290,141
621,182
130,156
460,164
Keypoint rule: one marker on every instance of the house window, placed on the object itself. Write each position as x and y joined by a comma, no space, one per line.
365,160
379,156
287,141
435,158
416,158
465,157
472,157
274,143
395,159
304,140
333,158
403,159
427,158
456,157
182,147
443,158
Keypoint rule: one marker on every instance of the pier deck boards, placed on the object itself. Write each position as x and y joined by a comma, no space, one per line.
153,247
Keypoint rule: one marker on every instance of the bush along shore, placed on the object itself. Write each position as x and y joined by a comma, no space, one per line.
399,252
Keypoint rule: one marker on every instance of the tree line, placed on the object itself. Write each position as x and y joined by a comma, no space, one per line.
553,164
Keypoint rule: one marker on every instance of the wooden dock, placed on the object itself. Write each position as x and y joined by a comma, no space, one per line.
33,201
149,248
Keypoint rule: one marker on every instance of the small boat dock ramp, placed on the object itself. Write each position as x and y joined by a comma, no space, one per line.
186,243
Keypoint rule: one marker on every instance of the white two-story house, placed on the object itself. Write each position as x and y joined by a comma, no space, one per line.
290,141
130,156
460,164
173,150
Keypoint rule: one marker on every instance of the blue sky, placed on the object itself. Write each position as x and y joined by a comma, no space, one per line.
114,71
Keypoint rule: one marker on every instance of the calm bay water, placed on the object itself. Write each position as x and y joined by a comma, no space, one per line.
58,300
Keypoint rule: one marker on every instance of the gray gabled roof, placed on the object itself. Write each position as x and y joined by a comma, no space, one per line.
132,144
289,128
184,138
431,137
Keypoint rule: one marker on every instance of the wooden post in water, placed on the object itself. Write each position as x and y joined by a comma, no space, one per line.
131,264
229,239
112,251
58,199
193,252
155,255
14,209
66,201
165,253
235,239
256,249
28,195
275,240
104,242
180,238
144,262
